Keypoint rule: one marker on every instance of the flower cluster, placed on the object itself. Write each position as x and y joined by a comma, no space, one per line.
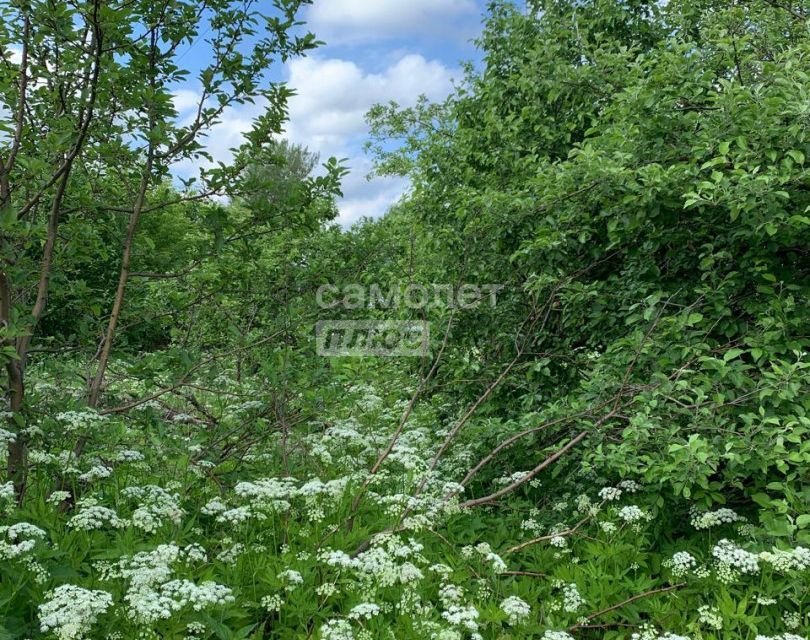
93,516
516,610
153,595
20,540
157,506
336,630
681,563
797,559
610,494
364,611
79,421
732,560
631,513
71,611
708,519
710,616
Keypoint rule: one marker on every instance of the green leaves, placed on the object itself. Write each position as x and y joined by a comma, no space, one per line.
796,155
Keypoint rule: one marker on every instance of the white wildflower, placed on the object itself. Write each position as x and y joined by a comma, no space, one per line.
71,611
337,630
571,599
517,610
291,579
732,559
92,516
797,559
364,611
710,616
681,563
95,473
7,490
58,497
610,494
631,513
709,519
272,603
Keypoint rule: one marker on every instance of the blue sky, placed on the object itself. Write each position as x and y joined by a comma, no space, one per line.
375,51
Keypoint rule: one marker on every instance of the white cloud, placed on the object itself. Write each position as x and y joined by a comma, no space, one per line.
15,54
333,95
367,198
328,116
185,100
227,134
353,21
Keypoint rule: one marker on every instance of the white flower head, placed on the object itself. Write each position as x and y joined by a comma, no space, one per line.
71,611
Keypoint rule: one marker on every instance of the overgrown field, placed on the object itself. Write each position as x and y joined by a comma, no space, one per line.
183,527
609,438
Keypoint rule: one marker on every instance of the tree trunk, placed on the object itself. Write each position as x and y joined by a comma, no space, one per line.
16,394
118,302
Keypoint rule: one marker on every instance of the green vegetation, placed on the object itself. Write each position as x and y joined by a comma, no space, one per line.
617,447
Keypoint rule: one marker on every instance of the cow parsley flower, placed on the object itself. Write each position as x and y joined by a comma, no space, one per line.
327,589
791,619
195,629
71,611
184,593
610,494
96,472
517,610
631,486
450,594
272,603
680,563
498,565
336,558
291,579
440,569
7,490
462,616
797,559
195,553
710,616
58,497
709,519
649,632
337,630
410,573
608,527
157,506
364,611
129,455
152,594
212,507
24,530
631,513
20,540
236,515
571,598
80,420
93,516
732,559
230,554
273,494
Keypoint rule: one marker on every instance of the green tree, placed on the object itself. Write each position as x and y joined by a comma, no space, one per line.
635,174
98,131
